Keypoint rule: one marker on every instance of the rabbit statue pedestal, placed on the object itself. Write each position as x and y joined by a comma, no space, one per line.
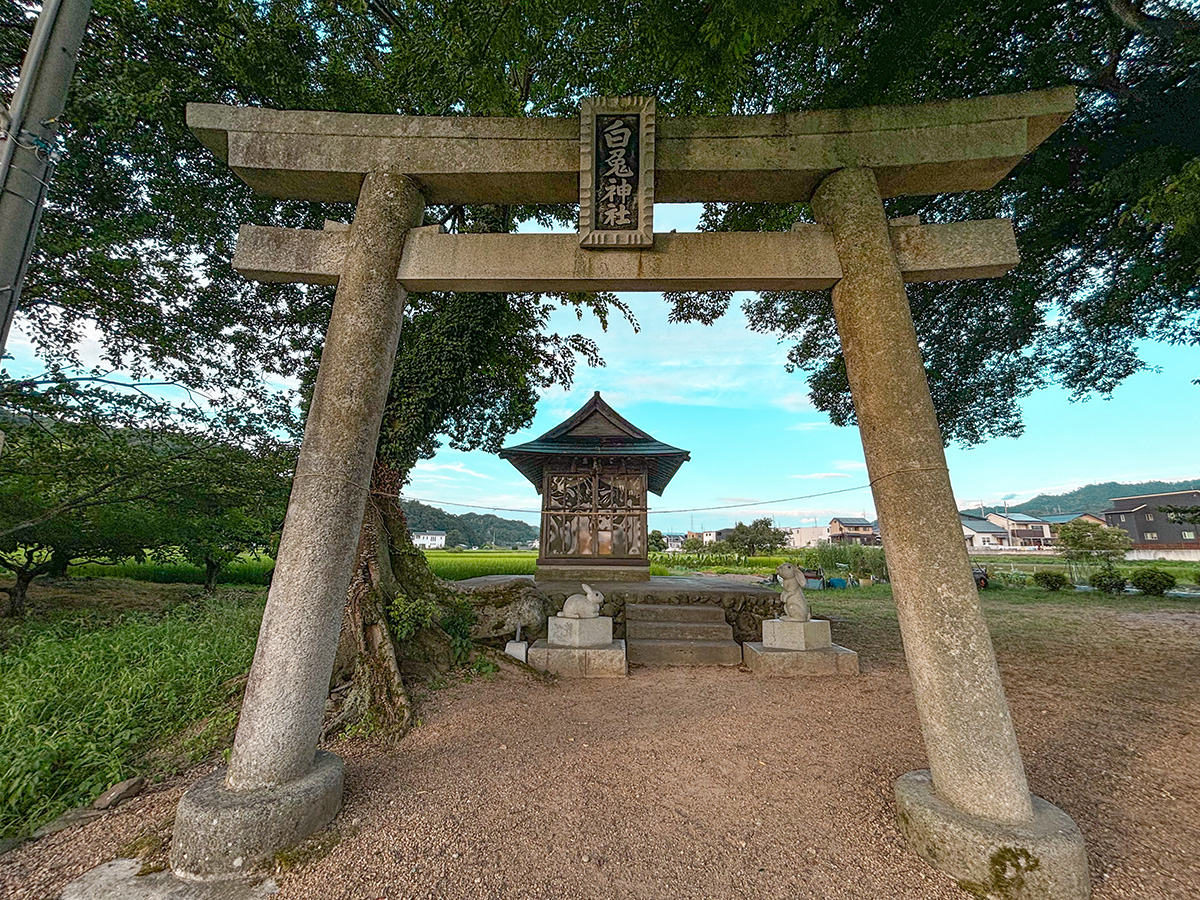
580,641
792,647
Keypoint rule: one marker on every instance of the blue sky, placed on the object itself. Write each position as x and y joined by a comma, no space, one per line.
721,392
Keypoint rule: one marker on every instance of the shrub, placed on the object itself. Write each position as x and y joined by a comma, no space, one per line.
1108,580
1051,581
1152,581
80,704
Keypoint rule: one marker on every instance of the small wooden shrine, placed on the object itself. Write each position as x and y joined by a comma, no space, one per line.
593,472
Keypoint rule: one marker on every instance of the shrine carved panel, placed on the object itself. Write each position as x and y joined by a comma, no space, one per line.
594,515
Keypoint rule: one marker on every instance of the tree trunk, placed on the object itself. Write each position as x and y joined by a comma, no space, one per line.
59,560
212,569
368,688
17,593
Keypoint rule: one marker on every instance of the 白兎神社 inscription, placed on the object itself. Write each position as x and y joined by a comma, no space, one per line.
616,172
974,801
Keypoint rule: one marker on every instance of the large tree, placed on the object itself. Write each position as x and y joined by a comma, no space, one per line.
137,240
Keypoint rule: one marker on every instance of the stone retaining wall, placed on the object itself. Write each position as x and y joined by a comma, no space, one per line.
503,601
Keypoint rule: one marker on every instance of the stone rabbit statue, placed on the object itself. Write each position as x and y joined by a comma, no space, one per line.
583,606
795,607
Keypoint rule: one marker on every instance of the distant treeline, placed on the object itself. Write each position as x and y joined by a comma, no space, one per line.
1093,498
470,529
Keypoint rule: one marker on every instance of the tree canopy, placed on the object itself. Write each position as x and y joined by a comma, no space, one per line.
137,239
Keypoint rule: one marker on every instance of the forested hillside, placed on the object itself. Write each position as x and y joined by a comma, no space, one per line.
1093,498
471,529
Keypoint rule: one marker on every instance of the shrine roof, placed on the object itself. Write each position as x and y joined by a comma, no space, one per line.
597,430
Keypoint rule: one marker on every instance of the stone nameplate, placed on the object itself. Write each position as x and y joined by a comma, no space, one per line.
616,172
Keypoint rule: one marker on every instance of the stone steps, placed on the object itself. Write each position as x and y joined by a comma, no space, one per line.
640,630
662,634
684,653
671,612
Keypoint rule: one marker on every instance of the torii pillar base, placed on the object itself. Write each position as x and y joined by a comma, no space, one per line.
1041,858
971,814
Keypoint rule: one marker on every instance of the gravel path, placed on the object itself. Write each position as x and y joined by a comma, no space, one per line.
711,783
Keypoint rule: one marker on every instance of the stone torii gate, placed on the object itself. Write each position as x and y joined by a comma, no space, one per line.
971,813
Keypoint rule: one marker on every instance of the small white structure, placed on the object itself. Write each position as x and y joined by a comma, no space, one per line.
429,540
807,536
580,641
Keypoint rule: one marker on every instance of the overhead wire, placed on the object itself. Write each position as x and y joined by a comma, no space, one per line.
650,512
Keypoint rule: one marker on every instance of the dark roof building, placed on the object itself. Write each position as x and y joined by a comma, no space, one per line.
1143,518
593,472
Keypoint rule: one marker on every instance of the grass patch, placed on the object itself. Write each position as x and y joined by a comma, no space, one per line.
249,571
83,700
475,563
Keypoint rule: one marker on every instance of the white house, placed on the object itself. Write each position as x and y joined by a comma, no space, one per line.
807,536
429,540
979,532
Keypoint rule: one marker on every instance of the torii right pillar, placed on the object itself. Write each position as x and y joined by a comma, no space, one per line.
971,814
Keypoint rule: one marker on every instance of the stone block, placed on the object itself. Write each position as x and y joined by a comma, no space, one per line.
1042,859
221,833
785,634
580,662
833,660
518,650
567,632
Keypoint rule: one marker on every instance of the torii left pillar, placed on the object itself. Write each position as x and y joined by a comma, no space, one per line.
278,788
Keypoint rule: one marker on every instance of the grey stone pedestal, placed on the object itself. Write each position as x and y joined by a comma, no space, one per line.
831,660
221,833
580,648
1042,859
790,647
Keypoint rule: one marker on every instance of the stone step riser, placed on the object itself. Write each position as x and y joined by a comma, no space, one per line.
678,631
685,653
663,612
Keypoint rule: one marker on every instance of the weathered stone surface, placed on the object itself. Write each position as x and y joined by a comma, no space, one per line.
69,819
783,634
592,574
289,679
594,632
1042,859
501,603
119,880
682,652
119,793
802,259
580,662
12,843
832,660
921,149
221,834
965,721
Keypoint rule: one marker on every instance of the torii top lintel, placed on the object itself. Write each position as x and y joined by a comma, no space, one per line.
955,145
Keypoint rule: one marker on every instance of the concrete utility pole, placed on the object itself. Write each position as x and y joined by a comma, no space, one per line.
28,132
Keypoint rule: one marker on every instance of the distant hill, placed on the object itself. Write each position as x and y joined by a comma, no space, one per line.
471,529
1091,498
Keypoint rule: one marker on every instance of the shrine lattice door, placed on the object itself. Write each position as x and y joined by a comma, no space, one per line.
594,516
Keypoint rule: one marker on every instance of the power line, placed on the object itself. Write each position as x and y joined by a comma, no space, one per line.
653,511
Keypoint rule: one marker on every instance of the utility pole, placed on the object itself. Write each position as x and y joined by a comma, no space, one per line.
28,136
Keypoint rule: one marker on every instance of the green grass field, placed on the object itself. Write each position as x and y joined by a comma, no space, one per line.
86,694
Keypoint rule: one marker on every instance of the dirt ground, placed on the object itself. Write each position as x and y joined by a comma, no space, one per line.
710,783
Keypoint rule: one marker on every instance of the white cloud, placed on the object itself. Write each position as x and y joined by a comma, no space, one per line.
849,465
425,467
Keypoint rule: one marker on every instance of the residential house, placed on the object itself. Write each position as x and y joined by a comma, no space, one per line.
429,540
979,532
1023,530
674,542
806,536
1150,528
1058,520
853,530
